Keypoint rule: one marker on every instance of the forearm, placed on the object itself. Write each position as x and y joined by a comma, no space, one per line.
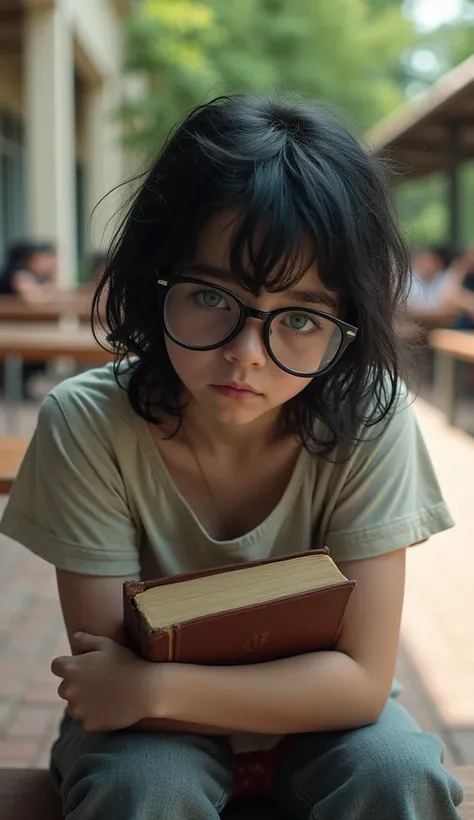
468,302
434,318
320,691
181,726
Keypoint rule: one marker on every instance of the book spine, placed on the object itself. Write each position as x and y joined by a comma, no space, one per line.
150,646
159,647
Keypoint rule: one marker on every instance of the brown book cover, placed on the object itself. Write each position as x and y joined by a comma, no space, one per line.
287,623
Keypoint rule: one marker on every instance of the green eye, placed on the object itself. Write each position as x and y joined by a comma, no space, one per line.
211,299
299,322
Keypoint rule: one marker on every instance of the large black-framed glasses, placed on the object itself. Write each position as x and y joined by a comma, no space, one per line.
199,315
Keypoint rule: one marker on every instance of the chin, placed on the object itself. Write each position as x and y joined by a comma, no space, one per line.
227,411
235,417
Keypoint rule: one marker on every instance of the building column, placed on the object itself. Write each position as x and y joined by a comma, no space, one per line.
453,198
50,132
103,162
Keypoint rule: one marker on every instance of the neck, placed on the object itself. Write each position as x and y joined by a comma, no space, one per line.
216,437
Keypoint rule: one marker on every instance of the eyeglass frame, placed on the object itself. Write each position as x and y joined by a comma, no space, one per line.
349,332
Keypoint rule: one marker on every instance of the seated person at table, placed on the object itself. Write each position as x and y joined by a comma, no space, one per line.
438,296
465,274
30,271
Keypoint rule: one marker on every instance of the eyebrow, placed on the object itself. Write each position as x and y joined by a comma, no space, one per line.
314,297
303,296
213,270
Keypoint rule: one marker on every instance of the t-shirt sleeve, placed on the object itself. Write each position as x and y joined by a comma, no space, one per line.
68,503
390,497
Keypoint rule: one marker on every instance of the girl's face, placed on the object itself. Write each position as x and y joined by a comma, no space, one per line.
212,376
42,264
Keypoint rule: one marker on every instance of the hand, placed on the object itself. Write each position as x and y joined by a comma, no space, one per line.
107,687
451,303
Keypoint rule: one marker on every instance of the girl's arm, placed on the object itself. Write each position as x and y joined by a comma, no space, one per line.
109,687
94,604
321,691
25,285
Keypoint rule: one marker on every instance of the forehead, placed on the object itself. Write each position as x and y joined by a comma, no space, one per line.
425,256
215,242
42,253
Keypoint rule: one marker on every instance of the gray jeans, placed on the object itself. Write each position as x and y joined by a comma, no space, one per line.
390,770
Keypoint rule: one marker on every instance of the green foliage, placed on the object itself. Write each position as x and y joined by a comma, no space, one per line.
345,52
353,54
168,45
423,202
452,42
421,210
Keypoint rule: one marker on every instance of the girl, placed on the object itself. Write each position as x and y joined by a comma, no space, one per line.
30,272
255,281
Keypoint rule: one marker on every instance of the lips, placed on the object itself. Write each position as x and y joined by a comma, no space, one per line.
237,391
240,387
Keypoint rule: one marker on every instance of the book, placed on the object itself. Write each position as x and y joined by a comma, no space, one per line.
239,613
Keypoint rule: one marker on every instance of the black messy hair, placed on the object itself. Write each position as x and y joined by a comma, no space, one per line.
286,169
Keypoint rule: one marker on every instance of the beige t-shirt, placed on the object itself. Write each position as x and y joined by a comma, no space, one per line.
94,496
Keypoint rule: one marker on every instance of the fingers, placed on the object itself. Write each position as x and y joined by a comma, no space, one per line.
90,643
62,690
59,666
66,694
73,711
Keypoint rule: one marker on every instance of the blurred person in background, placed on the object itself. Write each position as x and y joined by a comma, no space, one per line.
463,270
438,294
427,296
30,271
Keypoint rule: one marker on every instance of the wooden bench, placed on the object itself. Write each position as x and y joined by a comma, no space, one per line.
43,343
12,450
66,303
450,346
26,794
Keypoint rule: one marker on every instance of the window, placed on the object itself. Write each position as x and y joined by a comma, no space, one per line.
13,216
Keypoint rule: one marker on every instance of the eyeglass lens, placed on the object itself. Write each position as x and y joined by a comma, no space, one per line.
201,316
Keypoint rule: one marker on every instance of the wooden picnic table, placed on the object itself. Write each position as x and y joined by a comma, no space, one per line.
451,347
42,343
67,303
12,450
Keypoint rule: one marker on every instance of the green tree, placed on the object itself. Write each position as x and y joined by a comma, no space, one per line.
422,203
167,44
344,52
452,42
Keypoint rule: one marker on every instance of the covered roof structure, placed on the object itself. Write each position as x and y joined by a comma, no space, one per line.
433,133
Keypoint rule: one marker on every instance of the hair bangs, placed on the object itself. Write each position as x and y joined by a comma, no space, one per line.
272,245
266,256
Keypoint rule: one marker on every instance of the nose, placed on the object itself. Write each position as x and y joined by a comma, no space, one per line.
247,348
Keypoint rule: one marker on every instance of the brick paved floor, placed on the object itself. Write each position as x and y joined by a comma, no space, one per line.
436,662
438,622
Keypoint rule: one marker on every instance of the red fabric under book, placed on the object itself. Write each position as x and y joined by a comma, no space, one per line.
256,771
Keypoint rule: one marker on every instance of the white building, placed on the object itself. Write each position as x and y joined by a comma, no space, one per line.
60,85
